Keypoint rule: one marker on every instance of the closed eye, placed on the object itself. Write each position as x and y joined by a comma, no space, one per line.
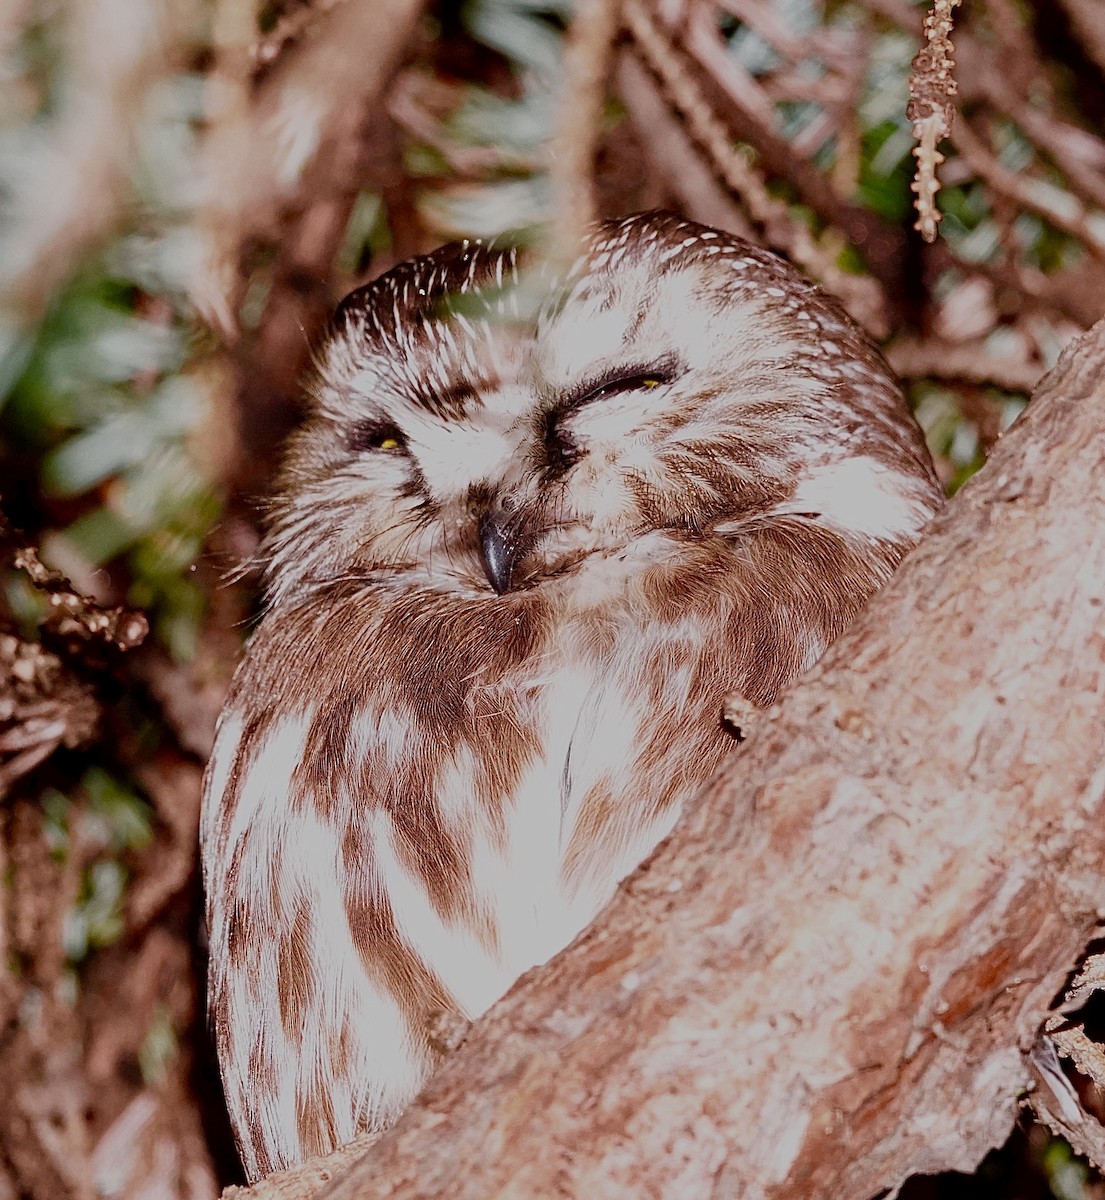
618,383
376,435
631,383
561,450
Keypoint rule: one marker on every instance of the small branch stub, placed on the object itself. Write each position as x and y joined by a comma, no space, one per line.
931,109
74,615
48,699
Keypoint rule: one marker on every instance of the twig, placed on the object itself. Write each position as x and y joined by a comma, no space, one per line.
71,613
261,163
899,13
672,155
290,28
931,88
969,362
1088,21
861,294
69,188
831,45
1060,208
745,111
407,106
44,702
1077,153
766,21
574,143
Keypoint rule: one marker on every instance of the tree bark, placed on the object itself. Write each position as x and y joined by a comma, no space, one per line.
828,978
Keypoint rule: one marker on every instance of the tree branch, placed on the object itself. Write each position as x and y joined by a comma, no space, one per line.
672,154
681,78
1088,24
586,64
72,180
264,143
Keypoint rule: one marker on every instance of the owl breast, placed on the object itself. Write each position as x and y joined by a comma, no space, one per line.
513,576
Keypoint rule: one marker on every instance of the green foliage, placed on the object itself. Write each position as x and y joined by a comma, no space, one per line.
975,235
886,169
1067,1176
968,223
527,32
513,130
55,824
113,820
117,818
101,397
96,919
953,438
366,234
799,17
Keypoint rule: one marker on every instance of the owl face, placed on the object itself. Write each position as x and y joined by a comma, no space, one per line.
677,385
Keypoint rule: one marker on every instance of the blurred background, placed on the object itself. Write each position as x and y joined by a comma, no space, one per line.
187,187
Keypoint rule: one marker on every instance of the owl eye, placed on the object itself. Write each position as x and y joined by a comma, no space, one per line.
628,383
376,435
618,383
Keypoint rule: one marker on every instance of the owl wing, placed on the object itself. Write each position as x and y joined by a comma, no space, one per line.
367,871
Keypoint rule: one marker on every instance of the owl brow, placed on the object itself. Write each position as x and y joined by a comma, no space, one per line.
667,368
458,398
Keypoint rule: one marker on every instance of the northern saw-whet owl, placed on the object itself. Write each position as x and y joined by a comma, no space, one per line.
520,556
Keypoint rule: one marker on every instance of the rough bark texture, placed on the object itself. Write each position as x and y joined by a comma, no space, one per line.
828,978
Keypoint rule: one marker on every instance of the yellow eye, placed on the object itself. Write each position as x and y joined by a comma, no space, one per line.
650,383
375,435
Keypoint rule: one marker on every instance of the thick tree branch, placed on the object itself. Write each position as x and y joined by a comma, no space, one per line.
829,976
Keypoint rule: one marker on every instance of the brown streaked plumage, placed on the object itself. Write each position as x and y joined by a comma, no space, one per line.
518,560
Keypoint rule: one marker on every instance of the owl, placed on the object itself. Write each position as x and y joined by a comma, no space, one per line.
532,533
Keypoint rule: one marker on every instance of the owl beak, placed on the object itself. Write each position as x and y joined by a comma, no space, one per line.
500,548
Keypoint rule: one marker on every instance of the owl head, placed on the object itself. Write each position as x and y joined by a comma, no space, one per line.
677,385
